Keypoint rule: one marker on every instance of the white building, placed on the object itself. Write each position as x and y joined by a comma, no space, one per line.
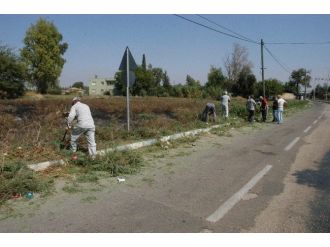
101,86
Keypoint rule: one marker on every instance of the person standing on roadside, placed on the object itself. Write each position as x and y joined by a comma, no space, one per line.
225,99
280,109
263,108
275,108
85,126
251,107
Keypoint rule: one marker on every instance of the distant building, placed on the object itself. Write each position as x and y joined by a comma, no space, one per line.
101,86
73,91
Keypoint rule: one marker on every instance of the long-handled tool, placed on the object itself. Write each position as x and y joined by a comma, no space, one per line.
63,143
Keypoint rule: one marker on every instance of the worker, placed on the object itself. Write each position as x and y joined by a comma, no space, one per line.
209,110
225,99
85,125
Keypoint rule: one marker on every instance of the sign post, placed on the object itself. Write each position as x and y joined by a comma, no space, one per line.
128,65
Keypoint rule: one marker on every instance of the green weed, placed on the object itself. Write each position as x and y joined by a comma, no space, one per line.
18,179
89,199
115,163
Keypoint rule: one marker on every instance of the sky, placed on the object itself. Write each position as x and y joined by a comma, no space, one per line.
97,42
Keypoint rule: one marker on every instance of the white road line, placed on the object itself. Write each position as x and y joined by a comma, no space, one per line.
230,203
307,129
315,122
291,144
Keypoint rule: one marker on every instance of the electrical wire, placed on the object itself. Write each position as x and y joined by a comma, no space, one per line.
298,43
243,38
252,41
277,60
215,30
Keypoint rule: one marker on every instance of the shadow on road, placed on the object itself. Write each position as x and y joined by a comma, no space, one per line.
320,207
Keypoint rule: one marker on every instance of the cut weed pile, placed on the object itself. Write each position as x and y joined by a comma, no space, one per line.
16,180
114,163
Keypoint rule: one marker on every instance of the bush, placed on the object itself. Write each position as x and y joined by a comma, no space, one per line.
55,91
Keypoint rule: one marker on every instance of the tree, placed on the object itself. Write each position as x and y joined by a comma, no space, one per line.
273,88
12,74
42,55
167,85
78,84
321,91
120,84
246,83
144,62
290,87
192,89
216,83
236,62
144,82
300,77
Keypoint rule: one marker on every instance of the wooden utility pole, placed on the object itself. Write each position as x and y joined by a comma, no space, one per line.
262,68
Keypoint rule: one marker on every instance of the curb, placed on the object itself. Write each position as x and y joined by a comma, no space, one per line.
44,165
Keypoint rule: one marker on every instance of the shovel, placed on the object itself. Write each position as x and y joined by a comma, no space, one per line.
63,143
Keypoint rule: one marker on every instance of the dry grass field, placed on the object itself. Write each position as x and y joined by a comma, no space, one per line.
32,127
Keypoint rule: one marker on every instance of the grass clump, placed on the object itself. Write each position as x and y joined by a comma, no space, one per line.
115,163
18,179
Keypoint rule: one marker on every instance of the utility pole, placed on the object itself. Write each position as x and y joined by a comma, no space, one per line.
305,82
326,92
127,87
314,93
262,68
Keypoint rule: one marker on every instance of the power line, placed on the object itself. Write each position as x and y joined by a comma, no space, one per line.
227,29
276,59
298,43
215,30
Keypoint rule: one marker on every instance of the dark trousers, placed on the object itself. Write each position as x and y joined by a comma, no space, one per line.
251,116
207,112
264,114
274,115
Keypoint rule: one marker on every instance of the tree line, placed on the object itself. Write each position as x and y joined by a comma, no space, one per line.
40,62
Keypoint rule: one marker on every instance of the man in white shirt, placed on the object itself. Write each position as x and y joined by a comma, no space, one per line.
251,107
280,109
225,99
85,125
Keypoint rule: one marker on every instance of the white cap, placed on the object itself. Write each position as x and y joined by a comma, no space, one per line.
76,99
225,92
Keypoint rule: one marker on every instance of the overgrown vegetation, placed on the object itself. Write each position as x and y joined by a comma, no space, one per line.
31,130
31,127
114,163
16,179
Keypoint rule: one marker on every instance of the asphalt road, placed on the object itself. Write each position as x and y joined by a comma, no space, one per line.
269,179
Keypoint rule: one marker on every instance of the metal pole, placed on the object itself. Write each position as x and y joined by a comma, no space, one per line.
127,87
262,68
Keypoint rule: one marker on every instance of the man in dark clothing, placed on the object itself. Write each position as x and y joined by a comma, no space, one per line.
209,110
275,108
263,108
